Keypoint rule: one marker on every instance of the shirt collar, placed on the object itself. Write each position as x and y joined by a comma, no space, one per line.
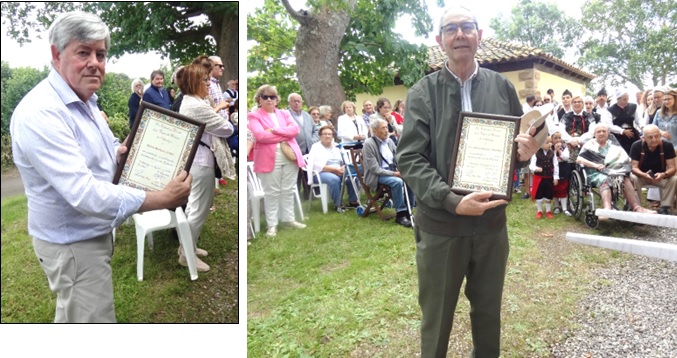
64,91
446,66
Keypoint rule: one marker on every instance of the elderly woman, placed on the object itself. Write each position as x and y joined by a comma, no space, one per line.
325,159
274,131
325,116
315,115
603,160
626,119
383,111
193,80
350,128
135,100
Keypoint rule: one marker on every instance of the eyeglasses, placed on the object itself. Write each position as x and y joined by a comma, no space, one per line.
546,101
466,27
314,114
217,65
266,97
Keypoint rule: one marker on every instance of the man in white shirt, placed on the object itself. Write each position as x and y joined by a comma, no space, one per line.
67,168
602,107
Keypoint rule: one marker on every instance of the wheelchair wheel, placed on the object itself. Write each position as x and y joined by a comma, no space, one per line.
359,210
576,194
591,220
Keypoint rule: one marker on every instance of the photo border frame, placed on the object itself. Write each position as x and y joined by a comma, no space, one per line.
146,114
504,187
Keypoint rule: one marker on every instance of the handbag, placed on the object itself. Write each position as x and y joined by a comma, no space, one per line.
287,151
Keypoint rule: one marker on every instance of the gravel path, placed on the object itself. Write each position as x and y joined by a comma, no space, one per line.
631,310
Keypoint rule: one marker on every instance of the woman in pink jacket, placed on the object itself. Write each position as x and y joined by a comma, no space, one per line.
272,128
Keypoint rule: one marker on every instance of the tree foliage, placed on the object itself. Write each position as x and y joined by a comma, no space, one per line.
539,25
270,60
632,41
295,49
16,82
179,30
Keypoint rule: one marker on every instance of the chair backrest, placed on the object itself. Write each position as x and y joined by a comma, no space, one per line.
356,159
253,179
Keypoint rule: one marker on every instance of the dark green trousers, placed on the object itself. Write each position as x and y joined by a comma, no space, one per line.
443,262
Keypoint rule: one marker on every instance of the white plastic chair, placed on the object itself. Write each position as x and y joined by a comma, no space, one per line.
318,190
257,194
155,220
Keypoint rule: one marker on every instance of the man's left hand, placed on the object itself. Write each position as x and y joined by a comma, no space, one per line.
526,145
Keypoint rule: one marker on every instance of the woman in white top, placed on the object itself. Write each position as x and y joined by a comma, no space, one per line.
350,129
324,158
193,81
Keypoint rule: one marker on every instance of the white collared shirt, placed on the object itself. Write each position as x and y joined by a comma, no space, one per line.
466,87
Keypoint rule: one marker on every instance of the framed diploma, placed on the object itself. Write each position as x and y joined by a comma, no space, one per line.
483,157
161,144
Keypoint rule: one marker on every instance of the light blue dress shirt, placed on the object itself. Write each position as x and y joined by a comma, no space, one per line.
66,155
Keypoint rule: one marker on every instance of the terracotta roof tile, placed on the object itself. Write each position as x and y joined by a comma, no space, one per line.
493,51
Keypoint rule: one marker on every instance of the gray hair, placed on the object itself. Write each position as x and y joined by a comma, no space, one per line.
375,121
324,110
78,26
135,82
456,8
290,95
215,58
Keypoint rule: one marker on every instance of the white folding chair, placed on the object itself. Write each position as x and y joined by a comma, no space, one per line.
317,190
154,220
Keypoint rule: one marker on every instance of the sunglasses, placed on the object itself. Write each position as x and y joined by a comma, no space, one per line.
266,97
546,100
221,66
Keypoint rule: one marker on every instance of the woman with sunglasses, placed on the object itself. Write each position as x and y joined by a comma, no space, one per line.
274,129
193,80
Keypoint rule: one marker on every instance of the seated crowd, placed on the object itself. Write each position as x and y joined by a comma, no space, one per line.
640,137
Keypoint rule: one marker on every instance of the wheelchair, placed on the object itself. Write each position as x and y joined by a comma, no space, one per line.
582,196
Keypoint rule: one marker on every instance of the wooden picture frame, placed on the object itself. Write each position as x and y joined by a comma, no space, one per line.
484,154
160,145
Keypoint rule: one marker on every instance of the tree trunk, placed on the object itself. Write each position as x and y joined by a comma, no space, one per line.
225,31
317,54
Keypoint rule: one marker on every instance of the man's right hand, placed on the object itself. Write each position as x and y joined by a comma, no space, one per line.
475,204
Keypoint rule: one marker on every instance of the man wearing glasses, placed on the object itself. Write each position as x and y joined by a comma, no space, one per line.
457,236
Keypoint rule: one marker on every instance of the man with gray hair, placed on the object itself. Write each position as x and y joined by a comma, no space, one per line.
457,236
308,134
380,167
67,157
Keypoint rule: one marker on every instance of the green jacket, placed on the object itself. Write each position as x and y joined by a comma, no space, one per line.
429,134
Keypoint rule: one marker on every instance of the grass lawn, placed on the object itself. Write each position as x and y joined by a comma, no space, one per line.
165,296
347,287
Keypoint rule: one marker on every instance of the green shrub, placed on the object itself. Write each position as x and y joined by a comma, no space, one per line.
6,151
119,125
